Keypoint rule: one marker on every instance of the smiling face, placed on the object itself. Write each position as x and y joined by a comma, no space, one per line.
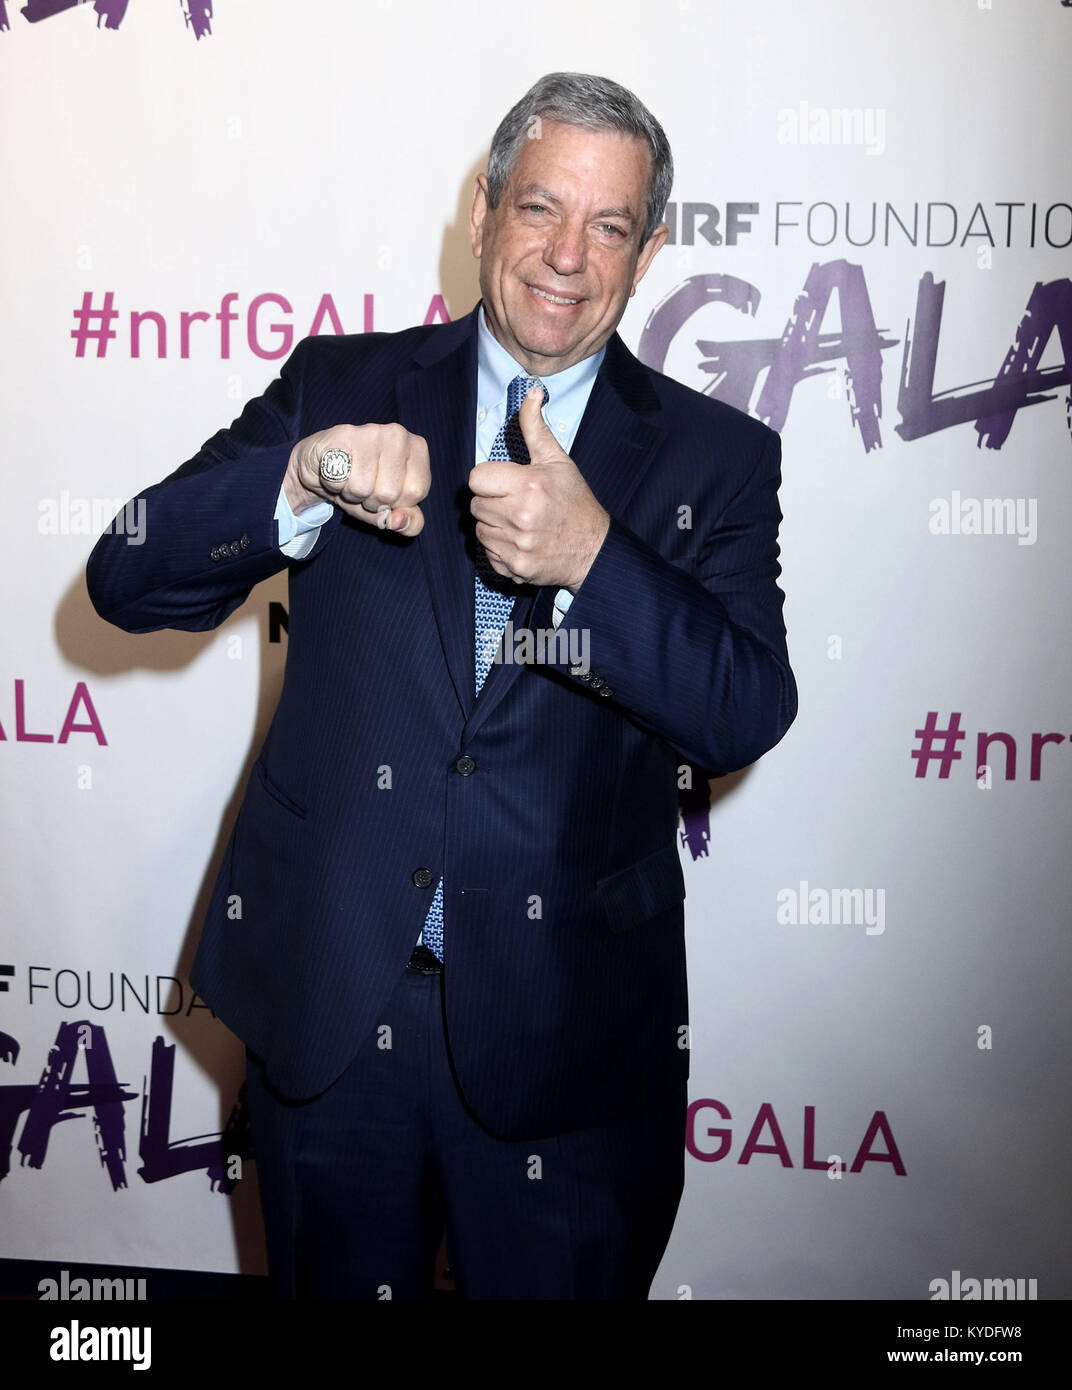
561,254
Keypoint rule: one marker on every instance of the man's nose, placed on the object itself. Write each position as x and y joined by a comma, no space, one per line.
564,252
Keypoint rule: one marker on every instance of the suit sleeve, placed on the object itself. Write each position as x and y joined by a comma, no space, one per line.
699,659
210,532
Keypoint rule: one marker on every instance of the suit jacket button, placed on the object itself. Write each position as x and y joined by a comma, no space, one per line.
605,690
423,878
597,682
465,765
244,543
214,553
235,548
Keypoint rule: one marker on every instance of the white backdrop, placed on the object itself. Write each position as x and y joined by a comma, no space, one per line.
329,149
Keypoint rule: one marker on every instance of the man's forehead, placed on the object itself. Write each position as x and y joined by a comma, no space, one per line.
604,166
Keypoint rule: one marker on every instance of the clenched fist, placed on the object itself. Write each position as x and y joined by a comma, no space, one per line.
539,522
389,475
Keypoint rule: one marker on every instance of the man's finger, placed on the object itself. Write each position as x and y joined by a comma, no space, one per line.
490,538
405,521
492,511
496,478
371,513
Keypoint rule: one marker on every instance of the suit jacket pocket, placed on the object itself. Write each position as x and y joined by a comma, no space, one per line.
276,792
269,872
643,890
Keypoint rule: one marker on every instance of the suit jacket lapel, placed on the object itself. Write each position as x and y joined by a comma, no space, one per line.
617,440
437,399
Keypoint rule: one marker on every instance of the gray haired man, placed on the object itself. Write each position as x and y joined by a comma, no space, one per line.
460,972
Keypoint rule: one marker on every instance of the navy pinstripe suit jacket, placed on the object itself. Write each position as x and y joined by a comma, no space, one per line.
564,981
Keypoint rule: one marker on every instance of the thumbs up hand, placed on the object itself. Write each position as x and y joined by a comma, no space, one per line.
540,522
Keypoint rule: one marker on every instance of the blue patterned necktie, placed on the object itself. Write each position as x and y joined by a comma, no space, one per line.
493,599
493,594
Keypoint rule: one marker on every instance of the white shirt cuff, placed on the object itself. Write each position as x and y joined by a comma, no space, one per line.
297,534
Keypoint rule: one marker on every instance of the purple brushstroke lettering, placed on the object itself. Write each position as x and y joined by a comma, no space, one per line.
162,1157
56,1099
1048,309
111,11
861,346
1020,381
198,16
45,9
13,1101
734,367
736,376
694,804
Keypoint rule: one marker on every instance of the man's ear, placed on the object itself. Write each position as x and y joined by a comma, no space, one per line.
477,215
647,252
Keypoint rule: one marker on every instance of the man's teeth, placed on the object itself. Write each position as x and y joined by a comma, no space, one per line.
554,298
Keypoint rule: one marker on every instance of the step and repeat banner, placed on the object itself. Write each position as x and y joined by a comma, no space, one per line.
871,250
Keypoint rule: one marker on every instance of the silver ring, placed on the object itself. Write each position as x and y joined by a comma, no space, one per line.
334,465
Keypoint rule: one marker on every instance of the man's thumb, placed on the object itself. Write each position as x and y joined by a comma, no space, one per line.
541,442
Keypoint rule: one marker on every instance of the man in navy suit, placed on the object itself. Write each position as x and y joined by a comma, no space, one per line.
533,583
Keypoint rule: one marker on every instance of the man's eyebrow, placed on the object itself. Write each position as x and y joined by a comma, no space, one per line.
535,190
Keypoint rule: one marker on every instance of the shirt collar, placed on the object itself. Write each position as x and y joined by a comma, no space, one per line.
568,390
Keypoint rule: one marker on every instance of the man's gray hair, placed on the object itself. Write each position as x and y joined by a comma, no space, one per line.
595,103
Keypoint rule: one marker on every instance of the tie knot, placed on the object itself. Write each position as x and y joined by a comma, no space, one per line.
519,389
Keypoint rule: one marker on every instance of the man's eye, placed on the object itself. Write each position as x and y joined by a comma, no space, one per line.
610,227
533,207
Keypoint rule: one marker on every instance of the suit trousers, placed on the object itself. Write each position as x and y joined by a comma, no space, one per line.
359,1184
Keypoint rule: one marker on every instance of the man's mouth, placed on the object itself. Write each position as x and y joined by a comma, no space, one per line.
554,298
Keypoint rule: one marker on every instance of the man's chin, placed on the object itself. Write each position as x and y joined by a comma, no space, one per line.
559,349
